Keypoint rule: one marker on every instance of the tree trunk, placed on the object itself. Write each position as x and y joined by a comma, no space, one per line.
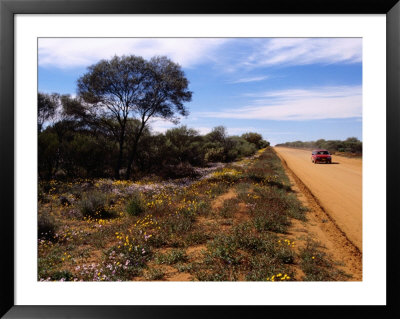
121,153
119,162
134,149
131,158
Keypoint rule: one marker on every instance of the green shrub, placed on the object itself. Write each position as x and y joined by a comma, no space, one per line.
271,222
246,238
42,198
62,275
295,209
155,274
263,266
229,208
223,248
219,274
196,238
47,226
172,257
135,205
285,254
179,170
204,207
317,265
94,205
64,201
184,267
178,223
215,155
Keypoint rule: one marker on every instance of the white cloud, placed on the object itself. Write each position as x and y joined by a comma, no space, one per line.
203,130
240,130
299,105
300,51
78,52
250,79
159,125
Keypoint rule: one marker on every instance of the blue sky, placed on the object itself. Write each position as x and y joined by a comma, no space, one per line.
287,89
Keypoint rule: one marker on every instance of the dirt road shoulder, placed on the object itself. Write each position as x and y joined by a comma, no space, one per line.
323,229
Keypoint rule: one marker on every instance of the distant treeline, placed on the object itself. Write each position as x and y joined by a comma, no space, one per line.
350,145
70,149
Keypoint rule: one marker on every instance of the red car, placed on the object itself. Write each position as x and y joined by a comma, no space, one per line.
321,156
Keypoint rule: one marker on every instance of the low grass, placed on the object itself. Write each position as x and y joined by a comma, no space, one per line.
317,265
155,274
171,258
229,208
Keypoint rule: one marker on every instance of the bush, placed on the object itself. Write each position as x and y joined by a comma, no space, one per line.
246,238
178,223
174,256
64,201
173,228
42,198
94,205
155,274
285,254
241,148
271,221
47,226
263,266
317,265
223,248
215,155
179,171
135,205
350,145
62,275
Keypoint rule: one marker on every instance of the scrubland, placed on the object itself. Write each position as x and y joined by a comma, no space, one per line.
229,224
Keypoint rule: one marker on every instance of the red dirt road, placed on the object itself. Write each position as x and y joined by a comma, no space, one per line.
336,186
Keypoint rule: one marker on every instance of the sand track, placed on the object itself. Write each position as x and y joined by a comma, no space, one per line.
337,188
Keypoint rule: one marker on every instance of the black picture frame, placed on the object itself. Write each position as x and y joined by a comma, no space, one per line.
8,8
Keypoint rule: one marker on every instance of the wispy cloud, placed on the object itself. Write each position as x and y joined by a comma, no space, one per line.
301,51
299,105
159,125
78,52
250,79
243,53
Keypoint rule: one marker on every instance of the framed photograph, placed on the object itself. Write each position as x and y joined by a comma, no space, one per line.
192,159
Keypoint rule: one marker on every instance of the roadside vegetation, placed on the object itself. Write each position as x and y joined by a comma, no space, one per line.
79,152
232,223
350,146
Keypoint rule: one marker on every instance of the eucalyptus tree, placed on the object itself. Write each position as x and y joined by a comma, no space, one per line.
47,106
129,86
165,92
111,90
